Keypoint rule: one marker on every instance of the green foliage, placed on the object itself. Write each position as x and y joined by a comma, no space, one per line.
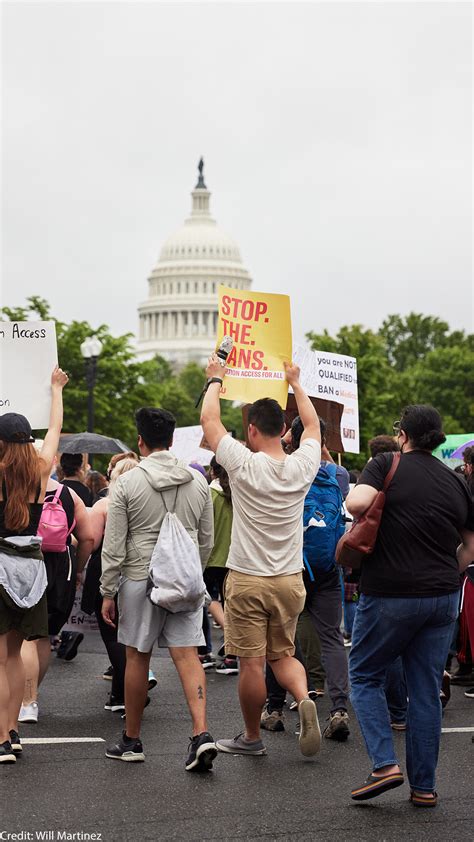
415,359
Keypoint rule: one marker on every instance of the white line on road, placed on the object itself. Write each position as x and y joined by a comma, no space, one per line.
36,741
456,730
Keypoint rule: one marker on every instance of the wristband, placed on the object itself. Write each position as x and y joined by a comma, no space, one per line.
214,380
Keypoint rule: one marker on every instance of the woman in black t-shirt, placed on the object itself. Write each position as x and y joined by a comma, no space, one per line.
409,600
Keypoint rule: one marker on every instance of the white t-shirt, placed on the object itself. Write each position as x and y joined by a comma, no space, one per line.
267,499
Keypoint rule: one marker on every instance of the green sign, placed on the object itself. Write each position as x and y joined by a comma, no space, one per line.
445,451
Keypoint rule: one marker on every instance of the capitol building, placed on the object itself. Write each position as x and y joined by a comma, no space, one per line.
178,320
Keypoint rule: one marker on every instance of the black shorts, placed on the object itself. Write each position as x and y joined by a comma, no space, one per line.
214,578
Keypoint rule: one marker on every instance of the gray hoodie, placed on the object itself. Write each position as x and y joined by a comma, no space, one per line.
136,512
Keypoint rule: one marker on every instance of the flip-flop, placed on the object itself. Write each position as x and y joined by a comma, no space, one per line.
376,785
428,800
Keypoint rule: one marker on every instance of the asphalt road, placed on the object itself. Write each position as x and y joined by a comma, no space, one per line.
73,788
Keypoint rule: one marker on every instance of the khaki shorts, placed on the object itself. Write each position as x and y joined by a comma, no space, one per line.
261,613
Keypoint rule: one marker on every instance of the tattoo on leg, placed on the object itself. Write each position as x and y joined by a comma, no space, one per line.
200,692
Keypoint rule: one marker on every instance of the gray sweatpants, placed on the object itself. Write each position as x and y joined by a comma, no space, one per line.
324,605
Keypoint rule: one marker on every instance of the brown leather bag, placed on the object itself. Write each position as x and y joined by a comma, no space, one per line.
360,540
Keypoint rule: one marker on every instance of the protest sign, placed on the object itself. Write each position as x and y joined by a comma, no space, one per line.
187,445
333,378
28,354
79,621
260,325
445,451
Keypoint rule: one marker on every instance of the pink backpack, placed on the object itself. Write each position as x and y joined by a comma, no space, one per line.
53,526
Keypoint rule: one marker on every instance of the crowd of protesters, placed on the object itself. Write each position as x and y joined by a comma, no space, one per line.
262,524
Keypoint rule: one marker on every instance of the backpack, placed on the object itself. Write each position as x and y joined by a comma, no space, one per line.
323,521
53,527
175,580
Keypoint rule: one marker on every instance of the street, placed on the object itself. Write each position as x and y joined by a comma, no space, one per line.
71,787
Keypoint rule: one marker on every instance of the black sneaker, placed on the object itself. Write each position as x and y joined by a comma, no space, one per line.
15,743
202,751
469,693
229,666
207,661
114,704
127,749
73,645
108,674
6,753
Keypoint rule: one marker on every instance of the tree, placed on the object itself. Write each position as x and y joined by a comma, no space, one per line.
410,339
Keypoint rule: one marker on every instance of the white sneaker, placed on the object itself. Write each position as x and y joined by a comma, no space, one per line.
29,713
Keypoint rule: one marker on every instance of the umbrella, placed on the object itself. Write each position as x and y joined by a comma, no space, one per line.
90,443
459,453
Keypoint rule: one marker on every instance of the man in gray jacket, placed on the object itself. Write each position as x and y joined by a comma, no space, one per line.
137,508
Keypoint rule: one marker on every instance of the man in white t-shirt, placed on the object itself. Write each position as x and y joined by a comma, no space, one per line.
264,588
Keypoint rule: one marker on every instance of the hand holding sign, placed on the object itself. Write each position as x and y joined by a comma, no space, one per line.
59,378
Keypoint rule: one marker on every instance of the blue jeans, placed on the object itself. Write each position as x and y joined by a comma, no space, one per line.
396,692
349,615
419,629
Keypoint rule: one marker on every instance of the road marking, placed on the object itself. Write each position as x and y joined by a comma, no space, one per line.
456,730
36,741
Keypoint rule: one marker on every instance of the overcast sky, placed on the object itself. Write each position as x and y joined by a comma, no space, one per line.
336,136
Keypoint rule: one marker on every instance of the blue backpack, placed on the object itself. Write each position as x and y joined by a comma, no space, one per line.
323,521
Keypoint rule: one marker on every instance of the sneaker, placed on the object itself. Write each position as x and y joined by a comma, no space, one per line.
114,704
69,645
108,674
463,676
398,726
127,749
240,745
347,642
29,713
338,728
469,693
202,751
315,694
152,681
207,661
445,693
310,734
293,705
6,753
273,721
15,743
229,666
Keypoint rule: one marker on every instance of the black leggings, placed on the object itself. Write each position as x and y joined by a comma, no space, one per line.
115,650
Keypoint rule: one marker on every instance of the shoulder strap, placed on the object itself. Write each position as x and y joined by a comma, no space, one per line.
393,468
38,490
170,511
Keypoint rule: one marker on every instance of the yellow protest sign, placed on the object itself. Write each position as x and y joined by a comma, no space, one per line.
260,325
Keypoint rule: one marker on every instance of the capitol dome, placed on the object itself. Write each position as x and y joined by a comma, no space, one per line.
178,321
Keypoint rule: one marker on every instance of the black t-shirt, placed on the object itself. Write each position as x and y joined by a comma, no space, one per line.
81,490
427,506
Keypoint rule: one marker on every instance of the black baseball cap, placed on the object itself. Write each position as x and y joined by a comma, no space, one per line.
15,428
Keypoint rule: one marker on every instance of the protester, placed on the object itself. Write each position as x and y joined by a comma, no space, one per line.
96,483
409,601
322,579
382,444
62,569
216,571
92,599
264,587
72,476
23,607
141,499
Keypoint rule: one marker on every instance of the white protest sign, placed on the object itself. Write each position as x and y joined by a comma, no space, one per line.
332,377
186,441
28,354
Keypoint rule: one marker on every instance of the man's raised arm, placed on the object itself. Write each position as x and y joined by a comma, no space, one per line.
306,410
212,425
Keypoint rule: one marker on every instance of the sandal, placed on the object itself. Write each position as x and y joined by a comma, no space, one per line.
376,785
428,800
